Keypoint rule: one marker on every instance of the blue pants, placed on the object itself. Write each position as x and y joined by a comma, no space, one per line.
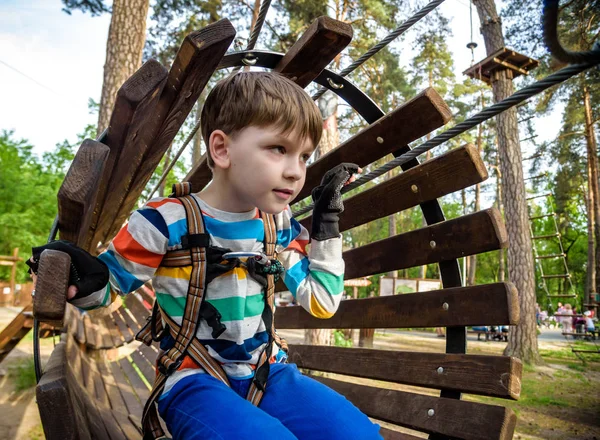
293,407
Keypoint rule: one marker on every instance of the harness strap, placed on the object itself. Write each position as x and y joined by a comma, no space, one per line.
185,341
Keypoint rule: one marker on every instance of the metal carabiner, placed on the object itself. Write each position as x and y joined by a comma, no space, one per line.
259,257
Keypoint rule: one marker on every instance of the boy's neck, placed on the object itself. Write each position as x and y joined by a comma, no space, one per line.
219,195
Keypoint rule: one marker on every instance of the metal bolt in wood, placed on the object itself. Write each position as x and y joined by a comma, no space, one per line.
380,139
445,306
440,370
430,413
414,188
432,244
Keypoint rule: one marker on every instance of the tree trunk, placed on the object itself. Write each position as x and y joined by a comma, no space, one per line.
590,284
522,339
592,156
500,206
126,38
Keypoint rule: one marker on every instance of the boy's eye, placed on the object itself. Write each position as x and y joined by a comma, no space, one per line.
305,157
279,149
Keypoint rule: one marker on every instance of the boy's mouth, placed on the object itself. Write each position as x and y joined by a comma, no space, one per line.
283,193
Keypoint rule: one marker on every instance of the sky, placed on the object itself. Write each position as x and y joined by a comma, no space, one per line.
51,63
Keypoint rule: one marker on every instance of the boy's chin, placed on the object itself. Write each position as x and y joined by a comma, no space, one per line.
272,208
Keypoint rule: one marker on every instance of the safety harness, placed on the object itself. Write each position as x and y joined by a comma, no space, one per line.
194,253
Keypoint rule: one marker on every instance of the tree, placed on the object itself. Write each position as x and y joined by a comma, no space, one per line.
522,341
578,29
126,38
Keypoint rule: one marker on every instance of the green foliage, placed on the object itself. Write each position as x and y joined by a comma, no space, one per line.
340,340
94,7
28,188
23,374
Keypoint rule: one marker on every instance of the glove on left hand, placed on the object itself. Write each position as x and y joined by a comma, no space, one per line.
88,273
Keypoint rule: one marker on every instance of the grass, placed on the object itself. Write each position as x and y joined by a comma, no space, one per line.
36,433
23,374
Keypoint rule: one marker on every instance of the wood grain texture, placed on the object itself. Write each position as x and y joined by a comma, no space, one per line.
50,297
490,304
497,376
60,418
457,169
388,434
78,192
471,234
314,50
194,64
412,120
134,107
435,415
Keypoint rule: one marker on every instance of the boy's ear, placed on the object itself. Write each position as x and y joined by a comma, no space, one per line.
219,149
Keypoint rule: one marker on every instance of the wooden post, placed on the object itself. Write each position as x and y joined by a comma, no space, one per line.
13,275
366,335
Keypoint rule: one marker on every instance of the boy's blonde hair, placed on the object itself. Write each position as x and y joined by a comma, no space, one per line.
259,99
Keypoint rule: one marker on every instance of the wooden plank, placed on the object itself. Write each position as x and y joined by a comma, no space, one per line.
435,415
471,234
324,39
113,330
138,385
92,337
137,309
388,434
194,64
497,376
50,299
131,432
60,416
78,192
134,105
457,169
144,365
125,331
129,397
424,113
106,338
133,325
13,333
490,304
116,399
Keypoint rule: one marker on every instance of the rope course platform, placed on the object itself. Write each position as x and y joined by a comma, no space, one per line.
501,60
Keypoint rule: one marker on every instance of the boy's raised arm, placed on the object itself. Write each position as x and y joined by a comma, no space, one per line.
316,277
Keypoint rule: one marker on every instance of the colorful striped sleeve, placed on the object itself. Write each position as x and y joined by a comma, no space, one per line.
132,257
314,272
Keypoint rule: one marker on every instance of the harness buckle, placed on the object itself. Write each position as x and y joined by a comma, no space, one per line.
259,257
167,371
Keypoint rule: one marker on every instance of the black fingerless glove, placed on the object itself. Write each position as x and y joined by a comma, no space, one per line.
215,265
88,273
327,198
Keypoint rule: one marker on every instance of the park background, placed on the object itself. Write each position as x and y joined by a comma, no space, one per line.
52,55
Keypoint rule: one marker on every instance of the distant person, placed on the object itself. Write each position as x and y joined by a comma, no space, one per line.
589,322
567,321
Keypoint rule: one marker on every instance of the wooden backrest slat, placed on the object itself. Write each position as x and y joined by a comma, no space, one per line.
116,400
435,415
497,376
132,323
134,105
92,337
144,365
137,309
129,429
193,66
459,306
471,234
129,397
138,385
61,417
442,175
122,326
113,330
78,193
324,39
421,115
388,434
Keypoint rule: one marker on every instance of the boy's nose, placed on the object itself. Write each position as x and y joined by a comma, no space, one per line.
293,171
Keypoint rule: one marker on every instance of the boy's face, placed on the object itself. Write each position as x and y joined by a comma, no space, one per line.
266,169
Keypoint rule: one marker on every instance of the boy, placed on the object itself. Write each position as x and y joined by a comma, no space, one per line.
260,130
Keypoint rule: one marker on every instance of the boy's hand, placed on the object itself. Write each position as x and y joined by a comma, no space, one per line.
327,198
88,274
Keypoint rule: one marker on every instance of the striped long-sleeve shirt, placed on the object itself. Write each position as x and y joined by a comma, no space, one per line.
313,274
